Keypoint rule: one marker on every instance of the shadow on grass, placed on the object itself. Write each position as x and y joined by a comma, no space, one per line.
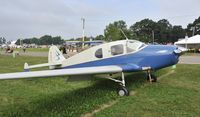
75,102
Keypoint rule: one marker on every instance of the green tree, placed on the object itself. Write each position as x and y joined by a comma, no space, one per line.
177,33
34,40
194,26
2,40
142,30
113,31
44,40
18,42
57,40
164,29
99,37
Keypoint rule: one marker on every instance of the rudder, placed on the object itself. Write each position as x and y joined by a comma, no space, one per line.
55,56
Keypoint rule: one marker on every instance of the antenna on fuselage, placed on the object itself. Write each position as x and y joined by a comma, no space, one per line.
124,34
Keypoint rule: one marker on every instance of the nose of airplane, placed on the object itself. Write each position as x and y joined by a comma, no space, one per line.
180,50
177,52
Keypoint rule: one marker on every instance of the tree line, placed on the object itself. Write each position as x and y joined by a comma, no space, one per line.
146,30
2,40
44,40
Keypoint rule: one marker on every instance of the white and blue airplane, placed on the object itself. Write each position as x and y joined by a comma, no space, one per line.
108,58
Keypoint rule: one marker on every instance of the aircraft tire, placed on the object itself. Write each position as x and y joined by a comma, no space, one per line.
122,91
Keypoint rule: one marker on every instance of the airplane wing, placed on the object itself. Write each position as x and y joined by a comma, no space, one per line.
62,72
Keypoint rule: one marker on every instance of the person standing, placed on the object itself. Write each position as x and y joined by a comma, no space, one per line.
64,50
24,49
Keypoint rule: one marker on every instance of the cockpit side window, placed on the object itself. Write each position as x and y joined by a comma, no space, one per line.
134,46
99,53
142,46
129,50
117,49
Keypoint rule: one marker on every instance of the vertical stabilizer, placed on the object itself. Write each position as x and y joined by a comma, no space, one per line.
55,56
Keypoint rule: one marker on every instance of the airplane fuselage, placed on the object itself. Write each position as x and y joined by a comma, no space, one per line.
153,56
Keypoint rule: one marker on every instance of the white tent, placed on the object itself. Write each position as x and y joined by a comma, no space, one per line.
12,44
192,42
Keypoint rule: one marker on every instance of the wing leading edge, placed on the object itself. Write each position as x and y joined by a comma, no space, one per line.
62,72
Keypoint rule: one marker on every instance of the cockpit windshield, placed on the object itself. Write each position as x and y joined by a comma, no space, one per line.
134,45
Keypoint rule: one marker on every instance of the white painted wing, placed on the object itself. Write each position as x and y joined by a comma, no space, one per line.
62,72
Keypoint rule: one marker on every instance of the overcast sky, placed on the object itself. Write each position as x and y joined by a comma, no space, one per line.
35,18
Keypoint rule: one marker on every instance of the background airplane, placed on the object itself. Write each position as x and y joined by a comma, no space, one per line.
109,58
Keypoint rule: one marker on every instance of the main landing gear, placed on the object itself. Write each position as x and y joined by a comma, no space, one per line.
122,90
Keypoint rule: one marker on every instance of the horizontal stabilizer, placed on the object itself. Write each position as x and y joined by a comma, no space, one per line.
27,67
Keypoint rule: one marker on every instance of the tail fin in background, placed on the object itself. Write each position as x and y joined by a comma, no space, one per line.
55,56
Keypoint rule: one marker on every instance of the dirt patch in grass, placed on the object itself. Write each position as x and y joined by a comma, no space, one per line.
104,106
132,93
167,74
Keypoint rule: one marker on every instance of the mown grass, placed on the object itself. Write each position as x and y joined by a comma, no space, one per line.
35,49
31,49
51,96
177,94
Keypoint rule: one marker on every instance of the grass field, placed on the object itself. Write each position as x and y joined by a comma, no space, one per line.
31,49
177,93
35,49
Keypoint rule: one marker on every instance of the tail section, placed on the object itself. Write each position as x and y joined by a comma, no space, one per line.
55,60
55,56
